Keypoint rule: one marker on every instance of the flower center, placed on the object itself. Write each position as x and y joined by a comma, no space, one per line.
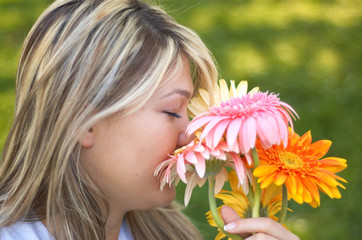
179,150
247,105
291,160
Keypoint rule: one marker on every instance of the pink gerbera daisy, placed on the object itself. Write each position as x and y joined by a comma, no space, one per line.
194,162
240,120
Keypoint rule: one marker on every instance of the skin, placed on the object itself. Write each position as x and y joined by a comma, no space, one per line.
265,228
121,154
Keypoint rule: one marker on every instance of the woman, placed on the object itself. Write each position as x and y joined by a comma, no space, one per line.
101,97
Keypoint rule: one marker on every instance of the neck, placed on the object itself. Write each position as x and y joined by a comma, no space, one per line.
113,224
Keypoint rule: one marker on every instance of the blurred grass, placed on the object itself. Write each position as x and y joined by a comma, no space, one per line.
308,51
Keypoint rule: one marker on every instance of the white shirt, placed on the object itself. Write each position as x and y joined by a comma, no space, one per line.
37,231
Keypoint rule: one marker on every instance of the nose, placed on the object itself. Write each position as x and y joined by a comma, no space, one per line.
183,138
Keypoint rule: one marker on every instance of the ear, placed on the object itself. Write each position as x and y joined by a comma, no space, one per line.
87,140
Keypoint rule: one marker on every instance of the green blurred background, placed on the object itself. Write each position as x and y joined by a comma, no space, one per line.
309,51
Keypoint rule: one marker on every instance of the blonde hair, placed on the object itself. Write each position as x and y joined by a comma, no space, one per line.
83,61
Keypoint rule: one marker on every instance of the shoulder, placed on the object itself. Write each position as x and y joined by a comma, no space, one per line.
25,231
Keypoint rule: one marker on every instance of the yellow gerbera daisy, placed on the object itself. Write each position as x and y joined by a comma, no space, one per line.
300,168
221,93
236,199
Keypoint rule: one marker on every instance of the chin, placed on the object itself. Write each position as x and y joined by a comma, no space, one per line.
154,199
167,196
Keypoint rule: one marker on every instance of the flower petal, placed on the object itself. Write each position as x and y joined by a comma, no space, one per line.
233,130
197,123
181,169
219,132
262,126
210,126
249,158
312,189
239,167
279,179
224,91
267,181
191,157
233,181
249,133
220,179
333,164
189,187
233,92
321,147
242,88
262,170
205,96
200,166
291,185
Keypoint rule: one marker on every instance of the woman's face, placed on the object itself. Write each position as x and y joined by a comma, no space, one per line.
121,154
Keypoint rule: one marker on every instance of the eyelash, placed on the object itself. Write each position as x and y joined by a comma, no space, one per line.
172,114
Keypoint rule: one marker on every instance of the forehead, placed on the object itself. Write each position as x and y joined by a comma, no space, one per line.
178,78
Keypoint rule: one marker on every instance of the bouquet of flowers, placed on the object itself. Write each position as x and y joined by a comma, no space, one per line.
252,134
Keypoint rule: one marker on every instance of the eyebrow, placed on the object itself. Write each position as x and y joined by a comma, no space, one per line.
182,92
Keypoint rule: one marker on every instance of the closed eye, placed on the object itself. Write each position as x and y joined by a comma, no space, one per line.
172,114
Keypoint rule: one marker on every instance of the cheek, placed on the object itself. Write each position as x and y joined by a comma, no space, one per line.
145,142
147,153
156,141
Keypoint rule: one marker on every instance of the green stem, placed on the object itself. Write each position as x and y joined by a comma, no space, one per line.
250,196
257,190
215,214
283,211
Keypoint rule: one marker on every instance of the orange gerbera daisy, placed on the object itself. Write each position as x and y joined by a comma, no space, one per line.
299,166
